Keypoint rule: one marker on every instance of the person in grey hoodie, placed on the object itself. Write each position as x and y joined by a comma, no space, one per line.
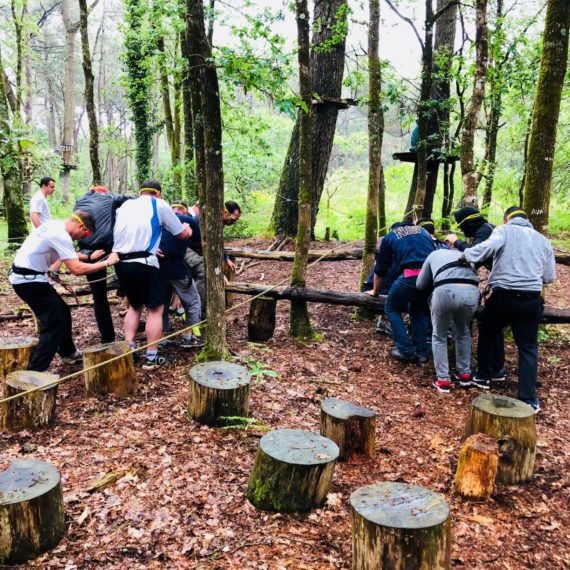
523,261
455,299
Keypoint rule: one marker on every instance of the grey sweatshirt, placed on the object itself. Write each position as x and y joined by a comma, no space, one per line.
523,259
437,259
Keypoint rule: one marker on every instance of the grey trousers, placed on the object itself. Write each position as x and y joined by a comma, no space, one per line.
453,303
196,264
189,297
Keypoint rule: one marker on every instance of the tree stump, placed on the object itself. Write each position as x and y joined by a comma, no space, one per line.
512,423
350,426
117,377
293,471
32,517
477,467
218,391
15,353
230,276
396,526
32,411
261,320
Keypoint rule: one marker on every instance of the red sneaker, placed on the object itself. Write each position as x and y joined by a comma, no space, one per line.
443,386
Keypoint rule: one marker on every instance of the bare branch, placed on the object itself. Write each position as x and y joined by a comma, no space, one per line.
407,20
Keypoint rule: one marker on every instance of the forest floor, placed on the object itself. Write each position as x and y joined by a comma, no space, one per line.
180,500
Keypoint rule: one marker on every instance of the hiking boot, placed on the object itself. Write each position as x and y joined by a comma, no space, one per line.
73,358
443,386
397,355
534,404
153,363
463,379
483,383
191,341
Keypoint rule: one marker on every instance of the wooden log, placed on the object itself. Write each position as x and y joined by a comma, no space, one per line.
313,255
350,426
15,353
396,526
218,393
477,467
230,276
117,377
293,471
32,411
512,424
261,320
551,315
32,516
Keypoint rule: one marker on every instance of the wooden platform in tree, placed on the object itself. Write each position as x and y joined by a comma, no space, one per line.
396,526
293,471
15,353
218,390
32,517
512,424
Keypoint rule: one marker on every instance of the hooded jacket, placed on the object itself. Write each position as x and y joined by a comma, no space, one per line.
523,259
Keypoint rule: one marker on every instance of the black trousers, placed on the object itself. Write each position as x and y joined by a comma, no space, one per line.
55,321
522,311
101,305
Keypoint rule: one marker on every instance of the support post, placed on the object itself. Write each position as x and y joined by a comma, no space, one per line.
261,320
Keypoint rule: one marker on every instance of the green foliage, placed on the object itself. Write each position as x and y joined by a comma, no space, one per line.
242,423
257,369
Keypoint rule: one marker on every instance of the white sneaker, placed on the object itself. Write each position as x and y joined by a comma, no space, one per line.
72,358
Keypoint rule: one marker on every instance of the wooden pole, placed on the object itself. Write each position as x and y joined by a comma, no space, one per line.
32,516
15,353
261,319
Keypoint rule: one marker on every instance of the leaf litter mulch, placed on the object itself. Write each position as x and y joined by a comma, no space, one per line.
176,491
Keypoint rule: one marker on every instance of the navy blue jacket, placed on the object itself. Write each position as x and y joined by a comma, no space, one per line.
172,265
405,247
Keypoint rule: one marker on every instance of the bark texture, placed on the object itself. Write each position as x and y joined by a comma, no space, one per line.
538,172
261,319
15,354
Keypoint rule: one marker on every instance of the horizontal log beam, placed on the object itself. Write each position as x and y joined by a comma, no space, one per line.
339,255
551,315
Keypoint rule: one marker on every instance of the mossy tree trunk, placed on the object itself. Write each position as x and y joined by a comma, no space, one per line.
538,172
300,324
189,192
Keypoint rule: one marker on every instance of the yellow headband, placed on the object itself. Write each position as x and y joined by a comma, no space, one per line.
471,217
179,206
153,190
76,217
514,213
426,223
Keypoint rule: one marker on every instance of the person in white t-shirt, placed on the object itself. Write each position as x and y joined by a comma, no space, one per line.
136,238
39,209
46,245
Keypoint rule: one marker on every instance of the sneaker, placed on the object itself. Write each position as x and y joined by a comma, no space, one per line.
422,359
191,341
483,383
462,380
72,358
499,376
397,355
165,343
383,327
534,404
153,363
442,386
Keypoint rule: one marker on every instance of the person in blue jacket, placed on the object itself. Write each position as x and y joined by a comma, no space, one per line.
406,247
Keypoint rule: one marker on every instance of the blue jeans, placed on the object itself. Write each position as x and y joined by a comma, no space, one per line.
405,298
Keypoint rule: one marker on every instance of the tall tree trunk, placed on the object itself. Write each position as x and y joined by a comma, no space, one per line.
375,133
189,174
469,173
327,64
18,22
545,114
10,168
89,93
165,93
213,203
300,324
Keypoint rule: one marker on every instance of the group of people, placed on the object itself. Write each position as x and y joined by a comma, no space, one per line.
157,252
426,277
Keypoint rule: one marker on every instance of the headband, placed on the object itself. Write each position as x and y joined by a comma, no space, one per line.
153,190
470,217
426,223
514,213
76,217
179,206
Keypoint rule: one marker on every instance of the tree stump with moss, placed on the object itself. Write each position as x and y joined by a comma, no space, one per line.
477,467
218,392
117,377
396,526
261,319
32,411
32,517
512,424
293,471
15,353
350,426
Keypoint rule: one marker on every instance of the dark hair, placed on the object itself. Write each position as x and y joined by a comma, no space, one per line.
232,206
427,224
514,212
87,219
181,202
46,180
151,185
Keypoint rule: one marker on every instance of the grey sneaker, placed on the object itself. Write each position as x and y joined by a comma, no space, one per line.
191,341
73,358
154,363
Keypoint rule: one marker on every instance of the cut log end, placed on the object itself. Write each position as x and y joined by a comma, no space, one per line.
31,510
477,467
